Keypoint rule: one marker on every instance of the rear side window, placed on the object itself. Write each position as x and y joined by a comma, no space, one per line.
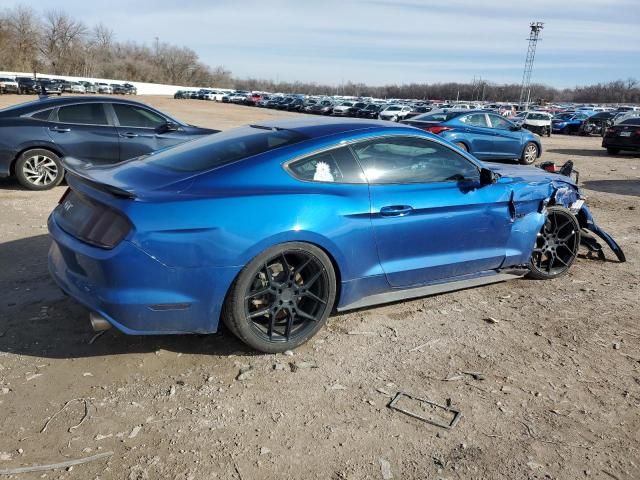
333,166
438,116
475,120
130,116
412,160
43,115
224,147
86,114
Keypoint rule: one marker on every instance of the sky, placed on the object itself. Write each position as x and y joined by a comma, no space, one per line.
381,42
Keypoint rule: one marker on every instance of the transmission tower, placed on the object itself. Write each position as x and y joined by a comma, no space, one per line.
534,36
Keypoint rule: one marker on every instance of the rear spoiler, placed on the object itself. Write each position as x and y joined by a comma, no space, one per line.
79,170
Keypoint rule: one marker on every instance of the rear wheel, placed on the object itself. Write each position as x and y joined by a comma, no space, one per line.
556,245
529,154
39,169
282,297
613,151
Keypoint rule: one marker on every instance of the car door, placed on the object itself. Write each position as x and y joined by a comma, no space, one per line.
138,128
431,218
478,134
84,131
507,138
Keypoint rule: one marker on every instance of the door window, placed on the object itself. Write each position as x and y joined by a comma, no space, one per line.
475,120
84,114
137,117
337,166
500,123
412,160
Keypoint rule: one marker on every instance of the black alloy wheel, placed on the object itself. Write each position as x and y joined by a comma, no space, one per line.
282,297
556,245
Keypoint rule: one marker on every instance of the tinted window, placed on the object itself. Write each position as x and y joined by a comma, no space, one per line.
225,147
87,113
333,166
412,160
475,120
130,116
500,123
631,121
44,115
438,116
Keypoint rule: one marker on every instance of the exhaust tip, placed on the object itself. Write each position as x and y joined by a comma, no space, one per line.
98,322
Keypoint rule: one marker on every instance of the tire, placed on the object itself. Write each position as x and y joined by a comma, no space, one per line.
462,146
556,246
613,151
264,305
529,154
39,169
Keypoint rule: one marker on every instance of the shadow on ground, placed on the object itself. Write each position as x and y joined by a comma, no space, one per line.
621,187
37,319
590,153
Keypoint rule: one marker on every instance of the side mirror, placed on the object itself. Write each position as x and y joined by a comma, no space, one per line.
516,127
167,127
488,177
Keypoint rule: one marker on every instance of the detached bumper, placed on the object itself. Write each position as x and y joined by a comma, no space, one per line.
135,292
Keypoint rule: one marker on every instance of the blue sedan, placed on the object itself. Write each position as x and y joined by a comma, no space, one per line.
271,227
35,136
570,122
487,135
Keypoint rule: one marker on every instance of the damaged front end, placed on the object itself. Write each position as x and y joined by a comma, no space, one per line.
568,195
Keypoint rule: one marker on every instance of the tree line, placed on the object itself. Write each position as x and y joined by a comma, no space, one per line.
56,43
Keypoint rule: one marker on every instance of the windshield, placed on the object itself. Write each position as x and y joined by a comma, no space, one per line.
393,108
223,148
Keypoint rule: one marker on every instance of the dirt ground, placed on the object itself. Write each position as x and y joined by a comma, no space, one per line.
546,375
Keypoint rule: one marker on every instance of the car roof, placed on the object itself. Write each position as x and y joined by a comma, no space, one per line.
52,102
320,127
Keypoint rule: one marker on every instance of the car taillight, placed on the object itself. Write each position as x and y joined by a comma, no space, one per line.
437,130
610,130
91,221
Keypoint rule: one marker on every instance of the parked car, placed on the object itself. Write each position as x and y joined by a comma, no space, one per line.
35,136
623,136
240,96
118,89
323,107
536,122
485,134
104,88
417,110
49,87
371,110
568,123
284,103
342,109
182,94
89,87
27,85
130,89
295,105
133,242
395,113
9,85
597,124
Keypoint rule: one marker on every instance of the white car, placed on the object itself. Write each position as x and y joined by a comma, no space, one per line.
342,109
8,85
394,113
77,87
104,88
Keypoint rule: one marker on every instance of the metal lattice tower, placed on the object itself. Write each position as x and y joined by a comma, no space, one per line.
534,36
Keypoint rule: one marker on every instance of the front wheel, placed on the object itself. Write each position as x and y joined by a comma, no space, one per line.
556,245
39,169
282,297
529,154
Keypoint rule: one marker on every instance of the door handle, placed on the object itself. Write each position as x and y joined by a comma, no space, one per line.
60,129
129,135
396,210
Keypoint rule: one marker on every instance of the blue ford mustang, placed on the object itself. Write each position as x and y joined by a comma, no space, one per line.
272,227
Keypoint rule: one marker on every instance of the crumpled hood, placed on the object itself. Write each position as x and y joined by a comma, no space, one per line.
527,173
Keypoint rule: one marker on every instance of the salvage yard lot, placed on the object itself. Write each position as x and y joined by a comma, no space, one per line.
545,374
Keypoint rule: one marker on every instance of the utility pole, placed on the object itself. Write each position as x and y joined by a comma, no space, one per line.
534,36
